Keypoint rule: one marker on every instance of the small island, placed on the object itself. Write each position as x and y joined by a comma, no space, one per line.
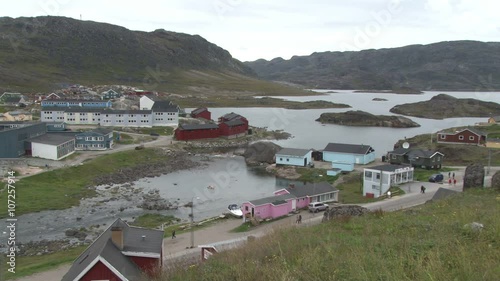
379,99
395,90
362,118
445,106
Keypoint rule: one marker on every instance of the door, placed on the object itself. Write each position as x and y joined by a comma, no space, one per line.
252,212
305,162
294,204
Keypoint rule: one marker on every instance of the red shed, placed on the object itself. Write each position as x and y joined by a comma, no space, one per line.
232,116
234,128
465,136
197,131
121,252
201,112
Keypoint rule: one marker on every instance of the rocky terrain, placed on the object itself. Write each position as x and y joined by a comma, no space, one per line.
445,106
362,118
261,152
455,65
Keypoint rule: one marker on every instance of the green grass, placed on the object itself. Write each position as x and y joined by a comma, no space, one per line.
64,188
162,131
26,266
351,190
423,174
315,175
429,242
154,220
124,138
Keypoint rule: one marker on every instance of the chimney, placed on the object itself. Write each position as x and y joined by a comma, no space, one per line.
117,237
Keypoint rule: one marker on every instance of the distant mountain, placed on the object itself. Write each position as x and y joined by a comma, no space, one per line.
457,65
44,52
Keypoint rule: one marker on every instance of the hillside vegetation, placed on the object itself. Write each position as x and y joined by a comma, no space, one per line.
46,53
430,242
456,65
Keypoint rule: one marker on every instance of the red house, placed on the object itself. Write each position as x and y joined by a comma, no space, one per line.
233,128
232,116
201,112
465,136
120,253
196,131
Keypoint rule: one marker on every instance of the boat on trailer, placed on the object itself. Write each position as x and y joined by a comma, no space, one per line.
235,210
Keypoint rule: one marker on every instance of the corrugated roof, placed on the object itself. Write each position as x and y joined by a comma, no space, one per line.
293,151
231,116
191,127
164,106
349,148
199,110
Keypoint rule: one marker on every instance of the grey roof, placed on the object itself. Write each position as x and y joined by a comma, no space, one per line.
12,99
52,139
190,127
349,148
77,100
496,118
235,122
311,189
126,111
231,116
293,151
105,248
78,109
421,153
477,132
164,106
275,200
443,193
199,110
399,151
97,131
388,167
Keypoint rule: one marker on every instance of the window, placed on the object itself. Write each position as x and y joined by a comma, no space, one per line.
471,137
368,174
442,137
287,160
461,137
439,158
377,176
393,156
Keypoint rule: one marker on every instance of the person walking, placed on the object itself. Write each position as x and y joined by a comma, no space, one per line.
299,219
422,189
173,234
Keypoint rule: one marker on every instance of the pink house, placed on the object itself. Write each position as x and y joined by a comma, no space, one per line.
289,199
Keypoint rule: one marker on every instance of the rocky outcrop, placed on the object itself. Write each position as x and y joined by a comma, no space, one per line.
445,106
495,181
344,211
261,152
362,118
474,176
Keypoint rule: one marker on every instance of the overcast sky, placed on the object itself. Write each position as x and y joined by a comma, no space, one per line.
253,29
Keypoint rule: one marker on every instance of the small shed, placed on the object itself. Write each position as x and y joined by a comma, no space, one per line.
294,157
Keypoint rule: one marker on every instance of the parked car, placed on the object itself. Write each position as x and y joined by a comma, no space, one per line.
317,206
436,178
154,134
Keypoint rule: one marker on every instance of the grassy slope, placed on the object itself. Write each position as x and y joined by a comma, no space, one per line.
428,242
63,188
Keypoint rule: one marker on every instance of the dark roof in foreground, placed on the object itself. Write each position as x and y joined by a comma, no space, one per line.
199,110
388,167
349,148
293,151
311,189
235,122
104,248
52,139
164,106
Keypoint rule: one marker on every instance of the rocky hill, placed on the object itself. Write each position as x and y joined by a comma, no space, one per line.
446,106
46,52
362,118
457,65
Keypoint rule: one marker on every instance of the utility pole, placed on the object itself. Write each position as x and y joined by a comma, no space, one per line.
192,224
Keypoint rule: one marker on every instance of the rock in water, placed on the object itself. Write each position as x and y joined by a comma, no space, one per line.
474,176
261,152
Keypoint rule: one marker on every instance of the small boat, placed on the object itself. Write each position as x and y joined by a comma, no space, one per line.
235,210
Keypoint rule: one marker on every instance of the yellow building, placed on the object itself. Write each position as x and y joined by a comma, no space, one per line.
494,120
16,116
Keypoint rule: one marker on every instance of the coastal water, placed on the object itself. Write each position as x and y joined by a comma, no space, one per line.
234,183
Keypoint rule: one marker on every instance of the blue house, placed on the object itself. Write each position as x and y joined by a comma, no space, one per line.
77,103
348,153
294,157
97,139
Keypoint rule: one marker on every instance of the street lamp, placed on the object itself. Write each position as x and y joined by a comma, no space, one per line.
192,220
